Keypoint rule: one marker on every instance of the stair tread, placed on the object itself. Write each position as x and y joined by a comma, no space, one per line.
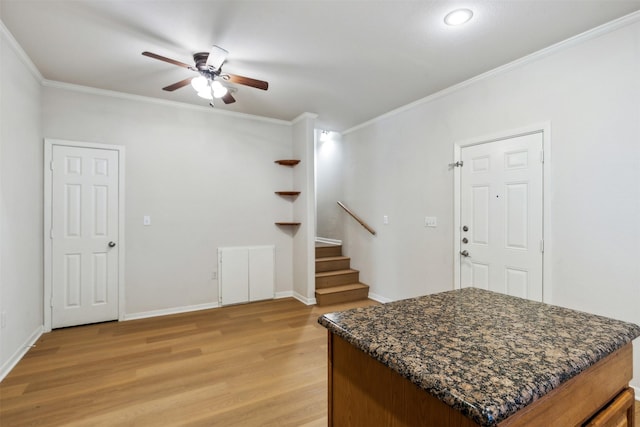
335,273
341,288
332,258
326,245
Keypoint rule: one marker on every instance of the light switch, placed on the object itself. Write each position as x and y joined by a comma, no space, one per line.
430,221
146,220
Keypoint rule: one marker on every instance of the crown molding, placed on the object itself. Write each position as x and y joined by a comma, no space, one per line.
303,116
157,101
591,34
22,55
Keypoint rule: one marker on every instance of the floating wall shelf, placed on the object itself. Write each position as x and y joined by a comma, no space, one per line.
288,162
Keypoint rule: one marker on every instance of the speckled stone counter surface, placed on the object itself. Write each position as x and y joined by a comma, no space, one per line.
485,354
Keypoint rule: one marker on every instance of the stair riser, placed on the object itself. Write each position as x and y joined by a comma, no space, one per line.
343,264
340,279
354,295
324,251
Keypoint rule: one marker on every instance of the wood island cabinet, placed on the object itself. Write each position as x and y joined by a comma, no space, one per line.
364,392
475,358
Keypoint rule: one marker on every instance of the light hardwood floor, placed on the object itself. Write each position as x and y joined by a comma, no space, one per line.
257,364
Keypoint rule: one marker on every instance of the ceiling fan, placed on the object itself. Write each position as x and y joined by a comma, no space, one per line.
207,84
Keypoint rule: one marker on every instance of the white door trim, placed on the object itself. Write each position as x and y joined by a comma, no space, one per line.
545,129
48,178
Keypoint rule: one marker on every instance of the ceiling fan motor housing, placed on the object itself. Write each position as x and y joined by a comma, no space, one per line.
200,60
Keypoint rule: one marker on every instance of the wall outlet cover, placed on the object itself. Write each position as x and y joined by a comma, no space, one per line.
430,221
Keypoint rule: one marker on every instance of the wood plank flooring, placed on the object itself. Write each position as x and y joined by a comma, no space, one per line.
259,364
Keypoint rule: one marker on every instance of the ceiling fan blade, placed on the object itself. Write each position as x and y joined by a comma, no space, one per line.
181,83
228,98
241,80
165,59
216,57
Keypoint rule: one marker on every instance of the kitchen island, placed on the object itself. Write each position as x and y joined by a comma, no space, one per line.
472,357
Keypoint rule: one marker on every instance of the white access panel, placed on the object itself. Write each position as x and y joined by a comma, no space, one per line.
233,266
246,274
261,273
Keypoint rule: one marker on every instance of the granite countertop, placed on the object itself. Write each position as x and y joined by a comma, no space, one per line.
485,354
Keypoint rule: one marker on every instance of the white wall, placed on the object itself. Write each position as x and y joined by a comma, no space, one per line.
329,185
21,154
590,92
207,180
304,209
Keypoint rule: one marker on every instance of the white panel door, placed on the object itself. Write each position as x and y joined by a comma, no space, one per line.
261,273
84,218
234,275
501,216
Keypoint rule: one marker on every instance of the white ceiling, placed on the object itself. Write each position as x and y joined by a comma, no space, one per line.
348,61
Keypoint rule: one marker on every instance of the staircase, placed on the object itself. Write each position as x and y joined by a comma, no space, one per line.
336,282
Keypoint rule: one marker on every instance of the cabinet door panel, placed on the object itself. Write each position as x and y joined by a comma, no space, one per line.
619,413
261,273
234,275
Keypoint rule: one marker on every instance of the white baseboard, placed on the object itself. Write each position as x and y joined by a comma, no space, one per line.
19,354
284,294
637,391
379,298
304,300
328,241
168,311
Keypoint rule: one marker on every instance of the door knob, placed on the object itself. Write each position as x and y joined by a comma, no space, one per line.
465,254
112,244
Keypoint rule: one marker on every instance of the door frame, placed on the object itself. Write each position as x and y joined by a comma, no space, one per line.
545,129
48,181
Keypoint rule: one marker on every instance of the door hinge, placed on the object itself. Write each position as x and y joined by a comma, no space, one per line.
51,165
541,245
457,164
541,156
51,233
51,302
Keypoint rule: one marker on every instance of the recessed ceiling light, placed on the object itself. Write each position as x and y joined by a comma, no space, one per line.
458,17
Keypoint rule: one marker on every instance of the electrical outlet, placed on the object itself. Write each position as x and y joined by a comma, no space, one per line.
146,220
385,219
214,275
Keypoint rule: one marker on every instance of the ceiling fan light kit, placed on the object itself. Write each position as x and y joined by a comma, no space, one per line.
207,88
209,66
199,83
